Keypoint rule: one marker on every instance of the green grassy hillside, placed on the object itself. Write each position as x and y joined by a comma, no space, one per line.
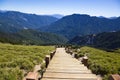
16,59
32,37
102,62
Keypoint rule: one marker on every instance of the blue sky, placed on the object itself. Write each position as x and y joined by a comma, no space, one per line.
105,8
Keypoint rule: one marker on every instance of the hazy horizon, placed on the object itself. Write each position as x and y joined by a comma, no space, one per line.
106,8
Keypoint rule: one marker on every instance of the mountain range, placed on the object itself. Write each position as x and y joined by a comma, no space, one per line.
21,28
12,21
43,29
76,24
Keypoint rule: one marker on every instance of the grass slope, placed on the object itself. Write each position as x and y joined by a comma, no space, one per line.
15,59
102,62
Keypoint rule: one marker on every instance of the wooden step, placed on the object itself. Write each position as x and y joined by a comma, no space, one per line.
70,76
69,71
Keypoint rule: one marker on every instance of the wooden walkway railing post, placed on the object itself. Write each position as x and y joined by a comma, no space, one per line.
54,53
75,55
51,55
85,60
47,60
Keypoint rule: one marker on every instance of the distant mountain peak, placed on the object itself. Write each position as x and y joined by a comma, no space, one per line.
113,17
102,17
3,11
75,14
58,15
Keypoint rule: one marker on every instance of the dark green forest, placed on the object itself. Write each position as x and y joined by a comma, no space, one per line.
106,40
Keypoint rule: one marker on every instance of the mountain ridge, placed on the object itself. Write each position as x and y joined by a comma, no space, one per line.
17,20
76,24
29,26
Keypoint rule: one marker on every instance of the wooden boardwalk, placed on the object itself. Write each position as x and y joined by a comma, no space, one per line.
64,67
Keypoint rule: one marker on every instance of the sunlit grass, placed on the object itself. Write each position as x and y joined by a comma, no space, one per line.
16,58
102,62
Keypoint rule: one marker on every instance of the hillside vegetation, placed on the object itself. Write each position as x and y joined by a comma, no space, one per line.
102,62
106,40
32,37
17,59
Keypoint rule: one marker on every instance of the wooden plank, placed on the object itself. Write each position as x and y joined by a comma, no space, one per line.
69,76
69,71
65,79
64,67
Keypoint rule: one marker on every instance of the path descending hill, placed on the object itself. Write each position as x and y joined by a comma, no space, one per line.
64,67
